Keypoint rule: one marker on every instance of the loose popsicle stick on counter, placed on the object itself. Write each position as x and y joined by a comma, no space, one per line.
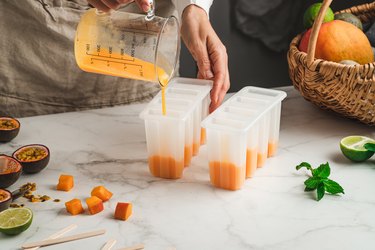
63,239
58,234
136,247
109,244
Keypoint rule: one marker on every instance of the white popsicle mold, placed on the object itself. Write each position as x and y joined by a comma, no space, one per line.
258,112
184,100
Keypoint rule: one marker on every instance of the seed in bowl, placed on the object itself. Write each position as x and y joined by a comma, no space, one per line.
7,124
31,154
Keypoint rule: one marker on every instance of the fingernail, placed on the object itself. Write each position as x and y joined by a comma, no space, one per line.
208,74
145,7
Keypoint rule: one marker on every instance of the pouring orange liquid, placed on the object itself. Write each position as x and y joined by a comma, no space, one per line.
100,58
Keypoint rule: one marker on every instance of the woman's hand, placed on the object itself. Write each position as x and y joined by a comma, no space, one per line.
207,50
107,5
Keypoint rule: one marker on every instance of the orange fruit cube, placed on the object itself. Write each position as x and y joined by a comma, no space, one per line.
123,211
66,182
74,207
102,193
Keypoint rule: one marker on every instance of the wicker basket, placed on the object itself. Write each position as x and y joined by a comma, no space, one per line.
346,89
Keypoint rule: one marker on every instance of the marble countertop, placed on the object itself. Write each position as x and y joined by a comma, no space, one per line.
272,211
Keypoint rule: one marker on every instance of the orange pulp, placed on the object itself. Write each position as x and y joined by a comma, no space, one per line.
227,175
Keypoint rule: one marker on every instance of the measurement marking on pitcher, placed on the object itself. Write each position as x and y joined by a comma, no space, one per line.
122,63
110,50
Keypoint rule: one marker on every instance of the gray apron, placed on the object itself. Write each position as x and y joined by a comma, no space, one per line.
38,72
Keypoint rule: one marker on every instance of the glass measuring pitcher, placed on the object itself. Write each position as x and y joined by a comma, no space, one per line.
128,45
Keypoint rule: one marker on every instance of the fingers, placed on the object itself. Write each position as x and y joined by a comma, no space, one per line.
107,5
221,83
99,5
143,5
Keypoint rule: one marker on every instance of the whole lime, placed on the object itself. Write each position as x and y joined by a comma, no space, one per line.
312,12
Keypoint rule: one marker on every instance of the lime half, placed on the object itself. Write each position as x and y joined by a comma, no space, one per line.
15,220
353,148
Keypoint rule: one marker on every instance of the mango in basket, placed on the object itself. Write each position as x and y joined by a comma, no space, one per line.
339,40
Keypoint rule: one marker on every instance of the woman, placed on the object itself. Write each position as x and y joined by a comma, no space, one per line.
38,73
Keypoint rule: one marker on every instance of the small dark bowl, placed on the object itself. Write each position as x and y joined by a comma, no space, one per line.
7,135
10,171
8,197
5,202
32,166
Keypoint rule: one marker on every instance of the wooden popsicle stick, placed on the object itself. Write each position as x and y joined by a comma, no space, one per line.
136,247
63,239
109,244
58,234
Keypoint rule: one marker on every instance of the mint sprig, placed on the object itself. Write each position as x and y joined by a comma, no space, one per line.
370,146
319,180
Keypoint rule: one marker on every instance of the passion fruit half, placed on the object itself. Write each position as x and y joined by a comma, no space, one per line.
33,158
10,171
5,199
9,128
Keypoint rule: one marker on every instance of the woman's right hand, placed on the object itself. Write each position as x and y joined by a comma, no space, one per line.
107,5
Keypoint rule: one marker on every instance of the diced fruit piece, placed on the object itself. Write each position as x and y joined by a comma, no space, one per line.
123,211
102,193
74,207
94,204
66,183
15,220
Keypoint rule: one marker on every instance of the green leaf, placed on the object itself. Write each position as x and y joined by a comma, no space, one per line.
370,146
309,189
320,191
333,187
304,165
312,183
322,171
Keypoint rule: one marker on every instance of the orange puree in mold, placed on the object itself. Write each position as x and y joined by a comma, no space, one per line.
166,167
227,175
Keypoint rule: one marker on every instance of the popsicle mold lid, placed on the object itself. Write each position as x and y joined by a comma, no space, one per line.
253,99
188,89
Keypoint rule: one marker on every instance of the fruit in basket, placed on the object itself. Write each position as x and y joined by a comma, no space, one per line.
339,40
312,12
350,18
349,62
370,33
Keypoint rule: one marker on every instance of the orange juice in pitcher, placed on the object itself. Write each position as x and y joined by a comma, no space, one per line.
128,45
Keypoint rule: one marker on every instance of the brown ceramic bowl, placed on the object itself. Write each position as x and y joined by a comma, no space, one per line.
10,171
9,128
33,158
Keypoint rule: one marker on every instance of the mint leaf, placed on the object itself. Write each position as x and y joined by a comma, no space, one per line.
312,183
309,189
320,181
322,171
370,146
333,187
304,165
320,191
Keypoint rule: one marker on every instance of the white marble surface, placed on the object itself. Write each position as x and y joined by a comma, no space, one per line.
272,211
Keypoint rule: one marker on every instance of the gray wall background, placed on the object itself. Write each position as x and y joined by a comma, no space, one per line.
250,62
